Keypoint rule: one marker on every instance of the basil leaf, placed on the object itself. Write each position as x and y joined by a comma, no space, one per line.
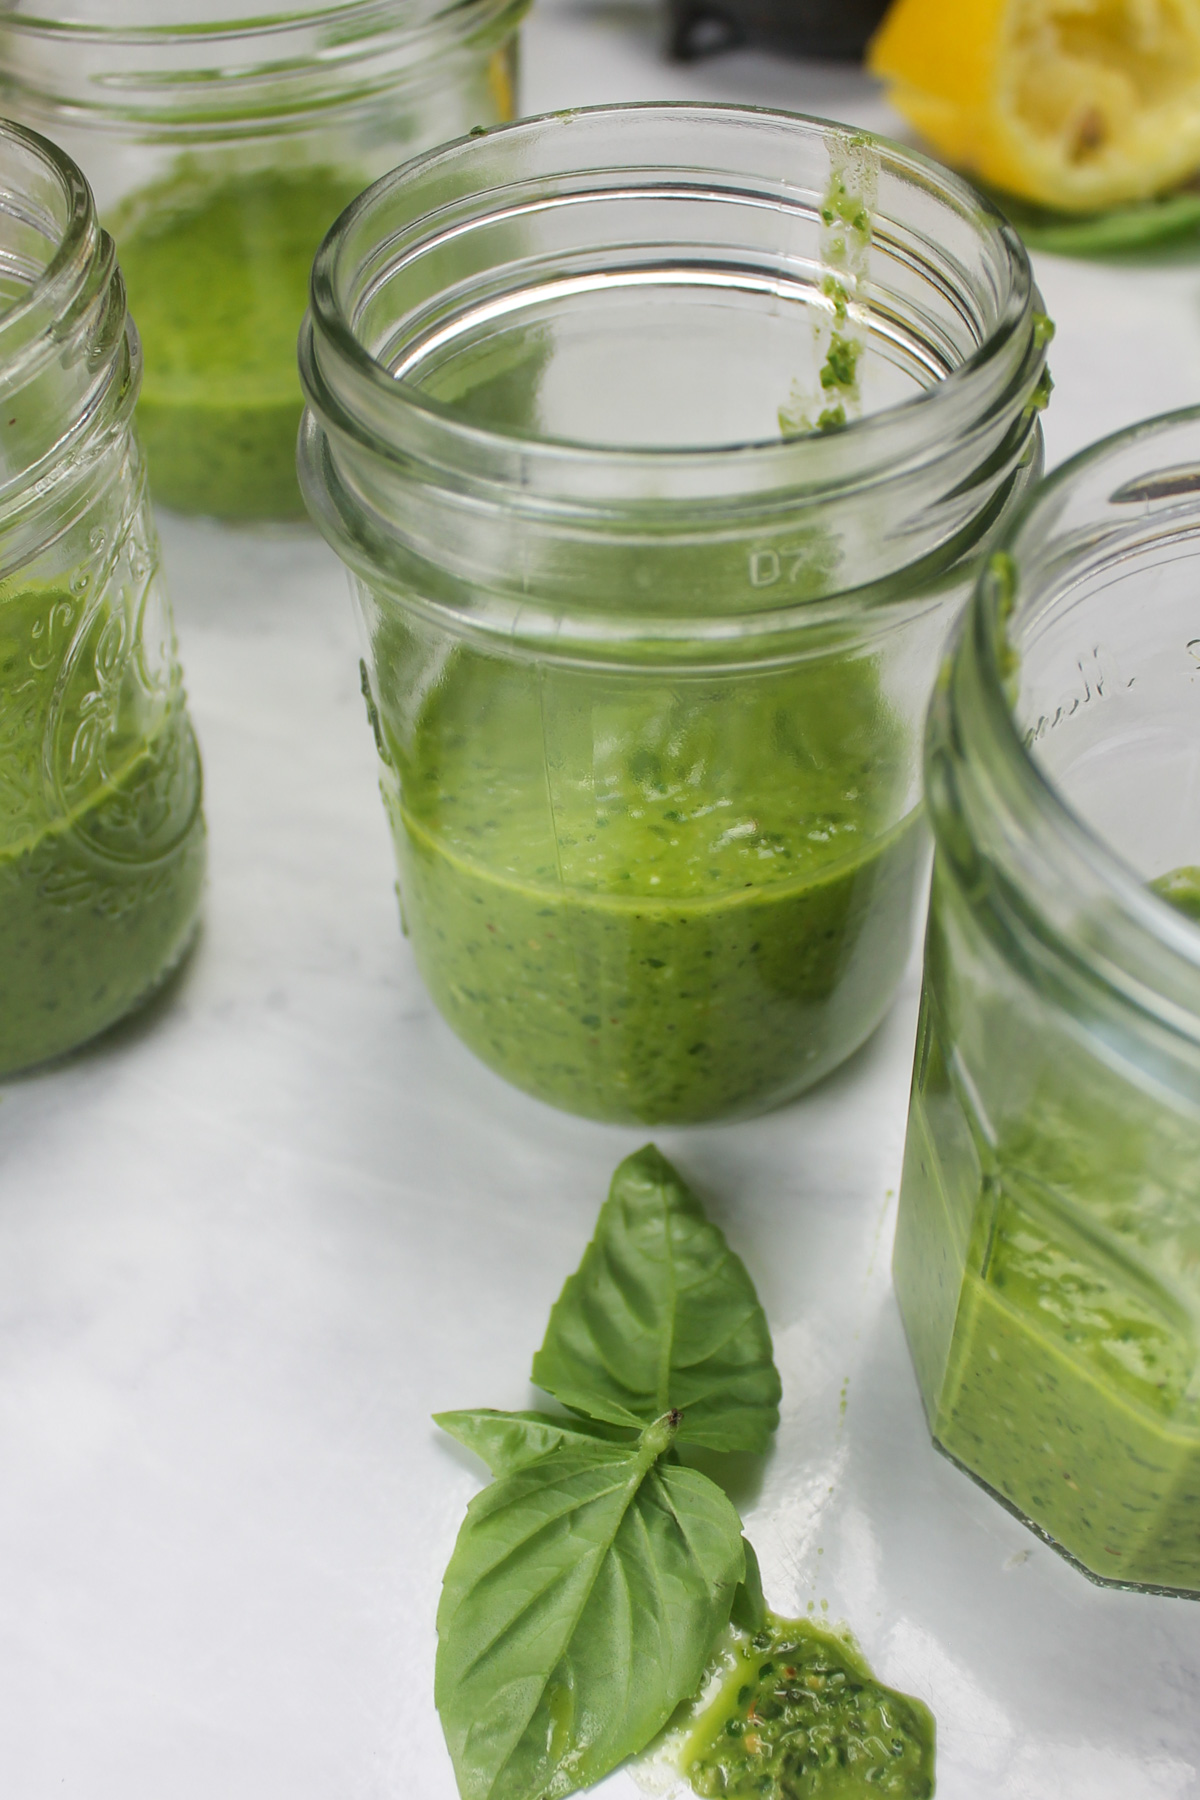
1143,225
506,1441
749,1607
579,1608
661,1314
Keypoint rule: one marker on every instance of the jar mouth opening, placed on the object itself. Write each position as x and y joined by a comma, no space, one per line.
241,67
1117,512
404,296
48,236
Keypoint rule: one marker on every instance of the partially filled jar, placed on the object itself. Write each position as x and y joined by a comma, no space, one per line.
221,146
1047,1256
661,443
101,833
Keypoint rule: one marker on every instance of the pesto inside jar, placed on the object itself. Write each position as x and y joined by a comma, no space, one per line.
656,902
101,833
216,267
651,636
1047,1283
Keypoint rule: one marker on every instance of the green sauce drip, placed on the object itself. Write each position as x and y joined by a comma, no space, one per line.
841,364
98,887
801,1717
1181,887
846,219
845,206
217,273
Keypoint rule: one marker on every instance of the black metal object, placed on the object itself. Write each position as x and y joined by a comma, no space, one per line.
829,28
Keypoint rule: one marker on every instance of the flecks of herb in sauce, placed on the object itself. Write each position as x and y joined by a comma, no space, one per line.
800,1716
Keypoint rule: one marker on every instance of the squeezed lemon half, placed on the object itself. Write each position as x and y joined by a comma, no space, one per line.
1077,104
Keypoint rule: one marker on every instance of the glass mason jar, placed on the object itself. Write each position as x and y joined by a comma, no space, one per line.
648,649
101,834
221,146
1048,1251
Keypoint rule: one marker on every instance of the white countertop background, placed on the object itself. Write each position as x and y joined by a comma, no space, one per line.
254,1238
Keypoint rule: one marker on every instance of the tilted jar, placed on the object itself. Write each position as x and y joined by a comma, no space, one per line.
1047,1257
101,832
651,614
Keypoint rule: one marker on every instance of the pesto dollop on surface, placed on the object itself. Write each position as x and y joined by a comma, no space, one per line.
1048,1279
653,900
101,834
217,272
801,1717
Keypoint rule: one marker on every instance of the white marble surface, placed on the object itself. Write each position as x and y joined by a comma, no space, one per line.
250,1242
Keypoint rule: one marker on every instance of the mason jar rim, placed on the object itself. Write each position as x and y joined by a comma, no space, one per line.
1144,950
50,293
264,20
70,324
347,384
268,72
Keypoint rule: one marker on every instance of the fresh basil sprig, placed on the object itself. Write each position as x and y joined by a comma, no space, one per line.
591,1580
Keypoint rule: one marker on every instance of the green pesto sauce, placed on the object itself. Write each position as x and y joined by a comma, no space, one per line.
801,1717
217,273
1051,1303
671,902
1182,888
846,219
844,207
101,842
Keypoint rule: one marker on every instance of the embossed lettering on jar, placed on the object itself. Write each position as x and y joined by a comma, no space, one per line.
222,138
661,443
101,833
